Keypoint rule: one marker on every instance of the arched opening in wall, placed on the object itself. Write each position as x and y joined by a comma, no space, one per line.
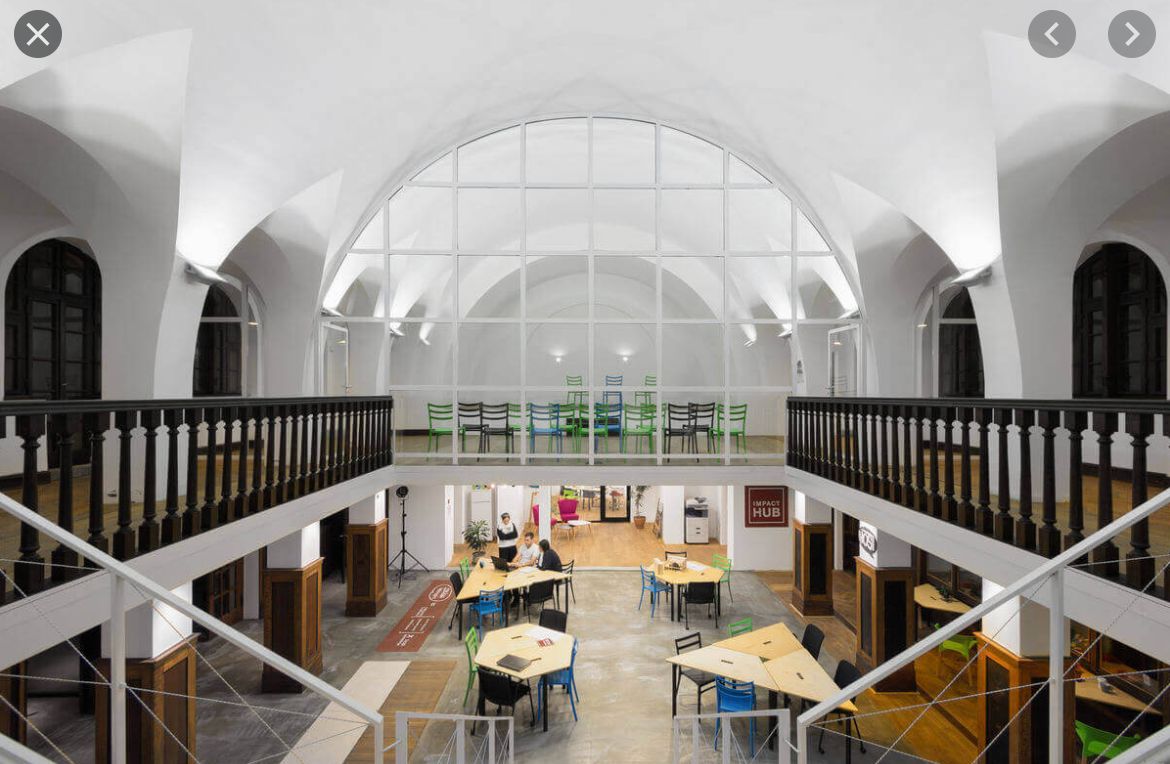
53,331
960,356
1119,325
218,347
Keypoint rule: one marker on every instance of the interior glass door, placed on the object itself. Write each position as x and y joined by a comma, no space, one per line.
615,503
844,361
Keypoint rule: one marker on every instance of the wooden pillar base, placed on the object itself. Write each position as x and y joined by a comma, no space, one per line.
812,558
1026,740
172,672
292,622
365,569
885,621
14,690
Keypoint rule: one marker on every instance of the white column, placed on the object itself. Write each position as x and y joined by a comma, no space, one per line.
1019,625
883,550
252,585
152,628
808,510
296,550
369,511
673,504
544,501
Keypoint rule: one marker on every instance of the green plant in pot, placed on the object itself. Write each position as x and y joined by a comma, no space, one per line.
476,535
639,510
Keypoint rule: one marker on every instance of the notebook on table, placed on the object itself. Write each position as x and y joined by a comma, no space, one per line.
513,662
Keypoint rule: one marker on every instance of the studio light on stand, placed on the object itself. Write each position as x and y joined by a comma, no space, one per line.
401,558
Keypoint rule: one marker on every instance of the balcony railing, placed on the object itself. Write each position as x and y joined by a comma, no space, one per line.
970,462
248,454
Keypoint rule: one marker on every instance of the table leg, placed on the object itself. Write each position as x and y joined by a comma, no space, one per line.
544,701
459,605
674,673
773,700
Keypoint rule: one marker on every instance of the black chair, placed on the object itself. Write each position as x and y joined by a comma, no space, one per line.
677,425
538,594
556,620
501,691
845,675
496,422
470,420
456,585
567,569
699,594
703,681
702,421
812,640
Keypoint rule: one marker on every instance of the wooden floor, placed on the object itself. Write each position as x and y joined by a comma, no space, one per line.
936,732
418,690
619,545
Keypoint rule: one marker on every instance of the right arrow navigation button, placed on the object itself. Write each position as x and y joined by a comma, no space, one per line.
1052,34
1132,34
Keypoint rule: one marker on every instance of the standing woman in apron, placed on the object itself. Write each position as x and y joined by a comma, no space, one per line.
506,535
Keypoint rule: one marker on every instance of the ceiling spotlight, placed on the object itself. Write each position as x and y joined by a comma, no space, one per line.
559,358
922,326
424,340
343,342
253,323
333,312
973,276
625,359
397,332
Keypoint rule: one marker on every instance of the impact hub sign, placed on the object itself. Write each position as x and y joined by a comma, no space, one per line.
765,506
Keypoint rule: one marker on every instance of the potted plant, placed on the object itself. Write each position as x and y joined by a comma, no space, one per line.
476,536
639,512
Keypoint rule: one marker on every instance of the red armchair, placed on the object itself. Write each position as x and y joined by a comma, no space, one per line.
568,509
536,517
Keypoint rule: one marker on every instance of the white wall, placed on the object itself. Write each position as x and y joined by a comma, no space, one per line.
672,514
426,525
757,548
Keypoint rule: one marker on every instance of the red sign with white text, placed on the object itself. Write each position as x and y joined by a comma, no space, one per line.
765,506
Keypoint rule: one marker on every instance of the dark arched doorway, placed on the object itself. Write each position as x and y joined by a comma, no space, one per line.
1119,326
218,347
53,330
960,355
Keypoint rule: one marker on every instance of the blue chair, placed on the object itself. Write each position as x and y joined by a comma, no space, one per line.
563,678
650,583
612,399
735,696
489,603
545,419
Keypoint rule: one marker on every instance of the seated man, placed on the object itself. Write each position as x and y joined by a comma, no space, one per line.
529,553
549,559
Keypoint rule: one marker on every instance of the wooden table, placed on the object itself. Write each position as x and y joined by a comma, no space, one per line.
514,640
1086,688
799,674
490,579
767,643
680,578
928,596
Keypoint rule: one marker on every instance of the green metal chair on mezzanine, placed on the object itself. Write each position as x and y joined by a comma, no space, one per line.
440,417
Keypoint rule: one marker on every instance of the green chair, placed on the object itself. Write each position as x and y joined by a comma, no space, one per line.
465,569
962,644
737,424
723,562
576,419
740,627
575,397
646,397
639,422
439,418
1095,742
471,642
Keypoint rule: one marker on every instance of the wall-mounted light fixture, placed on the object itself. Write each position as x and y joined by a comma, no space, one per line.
973,276
331,312
203,274
748,343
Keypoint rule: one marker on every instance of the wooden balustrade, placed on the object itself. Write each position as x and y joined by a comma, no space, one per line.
238,457
941,457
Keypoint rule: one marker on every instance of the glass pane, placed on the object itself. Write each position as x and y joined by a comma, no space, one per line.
623,151
759,287
554,352
489,287
558,286
493,158
421,286
759,220
623,220
691,221
625,351
373,236
822,291
756,423
739,171
558,151
808,238
420,218
692,287
558,219
759,357
422,423
442,170
499,410
692,355
489,218
682,409
335,361
357,287
625,287
489,354
687,159
368,346
814,372
420,354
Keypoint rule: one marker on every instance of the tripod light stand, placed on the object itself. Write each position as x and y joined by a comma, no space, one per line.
401,557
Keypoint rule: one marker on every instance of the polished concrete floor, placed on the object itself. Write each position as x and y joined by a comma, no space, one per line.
623,678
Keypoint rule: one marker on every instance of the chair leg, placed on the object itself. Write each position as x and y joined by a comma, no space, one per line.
857,731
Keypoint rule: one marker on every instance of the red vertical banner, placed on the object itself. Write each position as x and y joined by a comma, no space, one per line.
765,506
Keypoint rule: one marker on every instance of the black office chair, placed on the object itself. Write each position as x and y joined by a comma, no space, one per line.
703,681
845,675
812,640
456,585
502,691
538,594
556,620
703,593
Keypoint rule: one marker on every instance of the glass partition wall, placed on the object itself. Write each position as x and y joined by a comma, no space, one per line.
585,290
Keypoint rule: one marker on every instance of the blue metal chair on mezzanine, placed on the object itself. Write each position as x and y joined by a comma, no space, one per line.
544,419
